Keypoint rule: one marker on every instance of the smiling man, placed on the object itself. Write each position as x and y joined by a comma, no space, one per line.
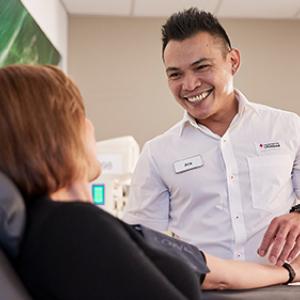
200,72
227,175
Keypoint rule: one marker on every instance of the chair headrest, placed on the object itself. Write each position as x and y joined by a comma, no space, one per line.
12,216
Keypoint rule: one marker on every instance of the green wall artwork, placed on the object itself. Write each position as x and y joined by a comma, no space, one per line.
21,40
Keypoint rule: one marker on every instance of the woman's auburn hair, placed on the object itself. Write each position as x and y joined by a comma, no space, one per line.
41,129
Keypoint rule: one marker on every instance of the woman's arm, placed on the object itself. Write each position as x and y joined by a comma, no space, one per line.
233,274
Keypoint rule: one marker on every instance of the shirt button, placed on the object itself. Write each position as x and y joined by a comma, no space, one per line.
231,177
237,217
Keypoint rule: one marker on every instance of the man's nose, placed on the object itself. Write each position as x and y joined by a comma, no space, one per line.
190,82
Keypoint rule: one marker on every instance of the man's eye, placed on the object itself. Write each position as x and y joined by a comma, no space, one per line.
174,75
202,67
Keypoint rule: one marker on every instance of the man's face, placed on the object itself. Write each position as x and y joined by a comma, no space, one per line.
200,75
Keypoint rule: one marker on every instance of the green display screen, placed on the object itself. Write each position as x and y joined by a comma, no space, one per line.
98,193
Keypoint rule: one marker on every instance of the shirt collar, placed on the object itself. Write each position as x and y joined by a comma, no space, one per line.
244,104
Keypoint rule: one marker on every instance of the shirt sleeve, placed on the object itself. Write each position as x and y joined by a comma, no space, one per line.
148,202
82,254
296,166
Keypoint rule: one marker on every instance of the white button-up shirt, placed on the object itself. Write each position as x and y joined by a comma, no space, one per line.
220,193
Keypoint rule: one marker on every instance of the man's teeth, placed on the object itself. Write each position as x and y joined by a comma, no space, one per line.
198,98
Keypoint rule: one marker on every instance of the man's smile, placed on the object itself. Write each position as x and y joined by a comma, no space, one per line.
199,97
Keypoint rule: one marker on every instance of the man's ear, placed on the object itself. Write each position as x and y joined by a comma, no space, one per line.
235,59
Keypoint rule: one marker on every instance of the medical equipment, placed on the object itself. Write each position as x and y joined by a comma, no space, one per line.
118,157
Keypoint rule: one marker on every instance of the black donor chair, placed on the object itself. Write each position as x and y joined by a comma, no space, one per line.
12,222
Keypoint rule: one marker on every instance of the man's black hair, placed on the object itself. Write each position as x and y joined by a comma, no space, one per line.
185,24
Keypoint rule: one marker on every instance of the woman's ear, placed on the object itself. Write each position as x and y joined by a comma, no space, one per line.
235,59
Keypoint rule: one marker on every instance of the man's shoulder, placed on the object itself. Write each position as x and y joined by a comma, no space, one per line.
263,110
169,134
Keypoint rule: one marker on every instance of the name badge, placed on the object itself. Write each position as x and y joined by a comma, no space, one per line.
188,164
267,147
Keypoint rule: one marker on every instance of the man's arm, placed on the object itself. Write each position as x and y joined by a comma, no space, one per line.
282,238
148,202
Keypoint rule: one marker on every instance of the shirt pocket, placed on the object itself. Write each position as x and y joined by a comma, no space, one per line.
270,180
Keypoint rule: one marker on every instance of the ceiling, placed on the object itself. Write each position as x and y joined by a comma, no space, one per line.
268,9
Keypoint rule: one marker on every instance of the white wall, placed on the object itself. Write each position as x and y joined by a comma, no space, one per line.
52,17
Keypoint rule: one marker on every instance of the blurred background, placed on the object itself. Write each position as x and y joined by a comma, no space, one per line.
112,49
